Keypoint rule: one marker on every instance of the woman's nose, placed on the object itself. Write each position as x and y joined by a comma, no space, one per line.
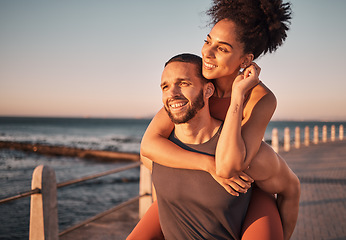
207,51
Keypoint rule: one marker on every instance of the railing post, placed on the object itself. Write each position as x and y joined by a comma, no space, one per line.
287,139
332,133
307,136
297,137
341,132
324,133
275,140
145,187
43,209
316,135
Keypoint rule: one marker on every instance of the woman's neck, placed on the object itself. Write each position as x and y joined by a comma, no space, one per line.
223,86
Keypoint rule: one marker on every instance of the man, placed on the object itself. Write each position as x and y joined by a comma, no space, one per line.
192,205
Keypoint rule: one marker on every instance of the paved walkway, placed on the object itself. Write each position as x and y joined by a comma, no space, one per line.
322,171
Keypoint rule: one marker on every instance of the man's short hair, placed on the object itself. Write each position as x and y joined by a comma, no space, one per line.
189,58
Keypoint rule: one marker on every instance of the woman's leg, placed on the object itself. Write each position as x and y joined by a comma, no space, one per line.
148,228
262,220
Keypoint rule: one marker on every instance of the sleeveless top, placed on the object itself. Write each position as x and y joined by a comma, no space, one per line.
192,205
218,107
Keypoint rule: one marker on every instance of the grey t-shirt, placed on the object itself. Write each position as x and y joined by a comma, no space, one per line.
192,205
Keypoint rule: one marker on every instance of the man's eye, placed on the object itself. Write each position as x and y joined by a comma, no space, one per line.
206,42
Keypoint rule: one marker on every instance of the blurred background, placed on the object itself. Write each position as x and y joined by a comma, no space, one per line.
85,58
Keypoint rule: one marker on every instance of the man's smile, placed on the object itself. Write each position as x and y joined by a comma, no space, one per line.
177,105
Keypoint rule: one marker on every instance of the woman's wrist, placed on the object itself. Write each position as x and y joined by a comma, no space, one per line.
237,96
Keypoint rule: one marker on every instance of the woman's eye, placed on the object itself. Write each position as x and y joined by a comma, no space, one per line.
222,49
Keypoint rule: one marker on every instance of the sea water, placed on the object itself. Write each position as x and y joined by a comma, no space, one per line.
81,201
77,202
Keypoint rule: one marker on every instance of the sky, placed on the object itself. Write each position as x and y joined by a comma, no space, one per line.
104,58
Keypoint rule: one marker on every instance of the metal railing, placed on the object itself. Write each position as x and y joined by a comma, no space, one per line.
19,196
43,211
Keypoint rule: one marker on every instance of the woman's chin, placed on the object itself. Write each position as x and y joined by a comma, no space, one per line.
208,74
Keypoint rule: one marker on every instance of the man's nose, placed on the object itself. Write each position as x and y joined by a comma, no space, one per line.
174,91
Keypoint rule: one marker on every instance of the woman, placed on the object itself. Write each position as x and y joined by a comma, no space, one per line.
243,30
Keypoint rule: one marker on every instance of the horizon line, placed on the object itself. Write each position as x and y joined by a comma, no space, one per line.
151,116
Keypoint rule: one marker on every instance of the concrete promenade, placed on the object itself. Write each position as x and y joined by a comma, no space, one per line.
322,171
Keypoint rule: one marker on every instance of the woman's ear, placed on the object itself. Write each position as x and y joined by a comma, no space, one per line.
247,60
209,90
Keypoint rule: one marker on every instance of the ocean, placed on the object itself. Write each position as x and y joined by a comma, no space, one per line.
81,201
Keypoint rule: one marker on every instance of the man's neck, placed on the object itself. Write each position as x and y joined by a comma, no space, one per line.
198,130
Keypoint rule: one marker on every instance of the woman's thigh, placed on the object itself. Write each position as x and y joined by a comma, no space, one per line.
262,219
148,228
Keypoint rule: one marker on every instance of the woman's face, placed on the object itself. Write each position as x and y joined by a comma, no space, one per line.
222,54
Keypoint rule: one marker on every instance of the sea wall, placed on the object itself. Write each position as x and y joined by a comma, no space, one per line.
71,152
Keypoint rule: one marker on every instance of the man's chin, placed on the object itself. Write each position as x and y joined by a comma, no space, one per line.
176,120
181,117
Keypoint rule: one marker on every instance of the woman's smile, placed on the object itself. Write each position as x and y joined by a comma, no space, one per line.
209,66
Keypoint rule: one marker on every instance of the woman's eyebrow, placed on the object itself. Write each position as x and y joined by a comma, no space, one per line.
226,43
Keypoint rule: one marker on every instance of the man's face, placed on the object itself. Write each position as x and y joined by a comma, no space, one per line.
182,91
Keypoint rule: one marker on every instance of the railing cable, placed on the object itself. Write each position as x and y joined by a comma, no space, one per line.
124,204
70,182
67,183
20,195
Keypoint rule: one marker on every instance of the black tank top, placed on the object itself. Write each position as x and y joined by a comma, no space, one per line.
192,205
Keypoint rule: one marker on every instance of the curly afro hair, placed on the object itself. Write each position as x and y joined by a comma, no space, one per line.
261,25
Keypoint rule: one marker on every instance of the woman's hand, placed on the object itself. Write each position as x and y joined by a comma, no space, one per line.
246,79
235,185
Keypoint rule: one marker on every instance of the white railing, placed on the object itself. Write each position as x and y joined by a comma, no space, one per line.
307,140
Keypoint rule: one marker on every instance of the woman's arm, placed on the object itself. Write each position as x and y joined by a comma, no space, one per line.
230,150
244,128
156,147
256,120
